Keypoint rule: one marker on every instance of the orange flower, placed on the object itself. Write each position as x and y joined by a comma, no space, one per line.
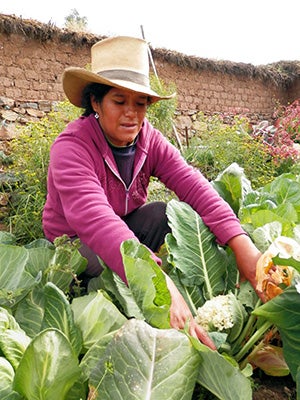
272,279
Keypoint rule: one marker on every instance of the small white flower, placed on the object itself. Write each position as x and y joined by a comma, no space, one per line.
216,313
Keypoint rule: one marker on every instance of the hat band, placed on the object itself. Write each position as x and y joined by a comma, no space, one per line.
126,75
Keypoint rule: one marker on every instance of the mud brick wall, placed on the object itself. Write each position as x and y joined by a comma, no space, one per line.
294,92
33,57
211,92
31,70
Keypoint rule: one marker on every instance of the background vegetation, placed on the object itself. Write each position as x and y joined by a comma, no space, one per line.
264,151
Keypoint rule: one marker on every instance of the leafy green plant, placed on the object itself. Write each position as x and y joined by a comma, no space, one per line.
105,348
118,337
29,153
74,22
215,145
161,114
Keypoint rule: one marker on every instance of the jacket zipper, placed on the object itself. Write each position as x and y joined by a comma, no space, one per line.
126,188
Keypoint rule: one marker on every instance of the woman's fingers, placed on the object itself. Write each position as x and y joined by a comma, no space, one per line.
195,329
200,333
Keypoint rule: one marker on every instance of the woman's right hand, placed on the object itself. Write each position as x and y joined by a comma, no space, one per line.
180,315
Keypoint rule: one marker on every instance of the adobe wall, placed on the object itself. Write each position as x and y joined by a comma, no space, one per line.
213,91
31,70
294,92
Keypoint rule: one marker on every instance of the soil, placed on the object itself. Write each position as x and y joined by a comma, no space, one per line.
275,388
264,388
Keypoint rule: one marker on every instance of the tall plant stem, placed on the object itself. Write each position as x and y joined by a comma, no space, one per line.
258,347
247,329
253,339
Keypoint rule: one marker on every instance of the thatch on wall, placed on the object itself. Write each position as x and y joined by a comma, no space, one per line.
32,29
282,73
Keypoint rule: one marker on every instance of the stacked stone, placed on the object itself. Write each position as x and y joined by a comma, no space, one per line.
13,112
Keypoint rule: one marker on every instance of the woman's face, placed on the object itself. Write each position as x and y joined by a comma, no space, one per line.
121,114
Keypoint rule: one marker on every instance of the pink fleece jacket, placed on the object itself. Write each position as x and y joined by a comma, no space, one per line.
86,195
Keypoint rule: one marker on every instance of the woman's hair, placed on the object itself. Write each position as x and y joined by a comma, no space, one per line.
98,91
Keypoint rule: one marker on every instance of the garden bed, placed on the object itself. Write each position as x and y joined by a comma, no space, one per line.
275,388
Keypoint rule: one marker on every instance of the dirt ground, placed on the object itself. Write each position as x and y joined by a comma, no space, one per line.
273,388
264,388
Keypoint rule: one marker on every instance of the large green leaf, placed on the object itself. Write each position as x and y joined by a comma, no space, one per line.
233,186
13,340
15,279
291,262
221,377
94,354
262,217
284,312
114,285
142,362
13,344
58,314
7,238
30,311
193,250
286,189
7,320
39,258
287,211
48,369
78,391
147,283
192,294
65,262
7,374
264,236
96,316
278,201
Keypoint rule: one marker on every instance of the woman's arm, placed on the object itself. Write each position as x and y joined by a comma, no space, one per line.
246,255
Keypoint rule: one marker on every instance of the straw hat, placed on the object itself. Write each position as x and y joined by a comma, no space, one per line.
120,61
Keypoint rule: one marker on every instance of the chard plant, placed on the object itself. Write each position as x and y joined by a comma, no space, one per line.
115,342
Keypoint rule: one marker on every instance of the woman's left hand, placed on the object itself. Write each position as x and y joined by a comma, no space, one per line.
247,255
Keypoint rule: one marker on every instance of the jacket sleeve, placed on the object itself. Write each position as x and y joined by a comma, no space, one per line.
193,188
85,205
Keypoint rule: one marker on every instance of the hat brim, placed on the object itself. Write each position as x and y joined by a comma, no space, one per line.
75,79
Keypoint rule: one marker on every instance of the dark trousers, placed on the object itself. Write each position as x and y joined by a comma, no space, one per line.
150,225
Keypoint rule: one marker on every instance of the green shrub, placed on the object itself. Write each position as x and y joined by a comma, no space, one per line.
29,152
161,113
216,145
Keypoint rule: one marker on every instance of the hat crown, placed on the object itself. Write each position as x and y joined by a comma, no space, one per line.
121,62
120,53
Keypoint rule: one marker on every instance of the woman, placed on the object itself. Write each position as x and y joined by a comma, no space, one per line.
101,164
